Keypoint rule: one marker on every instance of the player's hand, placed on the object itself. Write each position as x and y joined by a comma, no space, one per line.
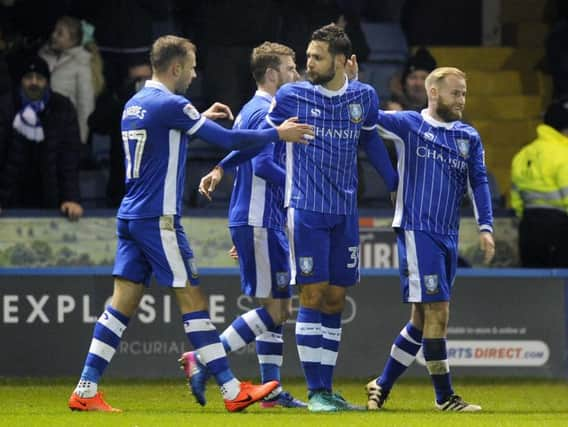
292,131
352,68
210,181
233,253
487,245
218,111
72,210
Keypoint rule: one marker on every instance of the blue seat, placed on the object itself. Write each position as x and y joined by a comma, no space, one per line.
379,76
389,53
386,41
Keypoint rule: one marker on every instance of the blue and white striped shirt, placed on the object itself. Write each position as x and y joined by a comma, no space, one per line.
156,125
255,201
438,163
322,176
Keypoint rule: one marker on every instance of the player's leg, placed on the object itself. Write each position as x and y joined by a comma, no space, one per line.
204,337
131,270
426,284
332,308
308,235
344,273
258,276
253,245
173,264
269,350
309,238
252,248
405,346
269,345
436,316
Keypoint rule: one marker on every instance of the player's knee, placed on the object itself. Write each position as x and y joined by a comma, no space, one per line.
312,300
333,305
436,316
190,299
279,310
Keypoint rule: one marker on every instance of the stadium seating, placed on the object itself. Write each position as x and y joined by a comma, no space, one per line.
389,52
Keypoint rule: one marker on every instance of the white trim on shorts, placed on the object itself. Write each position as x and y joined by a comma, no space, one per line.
173,256
263,288
291,247
414,286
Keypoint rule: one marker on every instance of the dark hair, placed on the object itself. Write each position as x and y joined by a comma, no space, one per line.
167,48
556,115
421,60
34,64
265,56
74,27
336,38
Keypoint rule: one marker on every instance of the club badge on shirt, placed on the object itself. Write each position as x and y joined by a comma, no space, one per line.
463,146
355,113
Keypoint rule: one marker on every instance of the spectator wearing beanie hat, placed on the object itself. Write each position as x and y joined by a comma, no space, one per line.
39,146
540,192
417,68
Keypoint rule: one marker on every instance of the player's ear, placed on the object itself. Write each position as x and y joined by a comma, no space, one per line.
176,68
270,75
433,92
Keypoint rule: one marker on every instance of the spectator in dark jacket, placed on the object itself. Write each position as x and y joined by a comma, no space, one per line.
413,96
41,144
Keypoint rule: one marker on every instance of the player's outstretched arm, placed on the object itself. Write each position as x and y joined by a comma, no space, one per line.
236,139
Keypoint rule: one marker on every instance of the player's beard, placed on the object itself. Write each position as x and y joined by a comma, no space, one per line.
446,111
280,81
321,79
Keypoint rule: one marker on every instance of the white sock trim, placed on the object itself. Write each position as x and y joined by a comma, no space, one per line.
233,339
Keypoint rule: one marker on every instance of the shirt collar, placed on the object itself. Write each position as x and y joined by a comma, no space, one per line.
263,94
436,123
157,85
329,93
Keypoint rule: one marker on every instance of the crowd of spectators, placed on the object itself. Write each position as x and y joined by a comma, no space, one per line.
67,68
96,57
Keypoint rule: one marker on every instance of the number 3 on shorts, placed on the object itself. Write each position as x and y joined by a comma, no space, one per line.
353,256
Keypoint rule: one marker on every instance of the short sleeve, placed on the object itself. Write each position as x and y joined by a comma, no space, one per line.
180,114
372,118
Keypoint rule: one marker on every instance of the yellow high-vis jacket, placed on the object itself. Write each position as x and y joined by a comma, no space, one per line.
539,172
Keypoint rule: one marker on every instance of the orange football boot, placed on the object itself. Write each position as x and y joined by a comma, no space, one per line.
249,394
95,403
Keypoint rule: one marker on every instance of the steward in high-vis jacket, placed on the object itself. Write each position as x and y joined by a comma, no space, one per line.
540,192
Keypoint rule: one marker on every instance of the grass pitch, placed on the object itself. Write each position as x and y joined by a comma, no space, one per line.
33,402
